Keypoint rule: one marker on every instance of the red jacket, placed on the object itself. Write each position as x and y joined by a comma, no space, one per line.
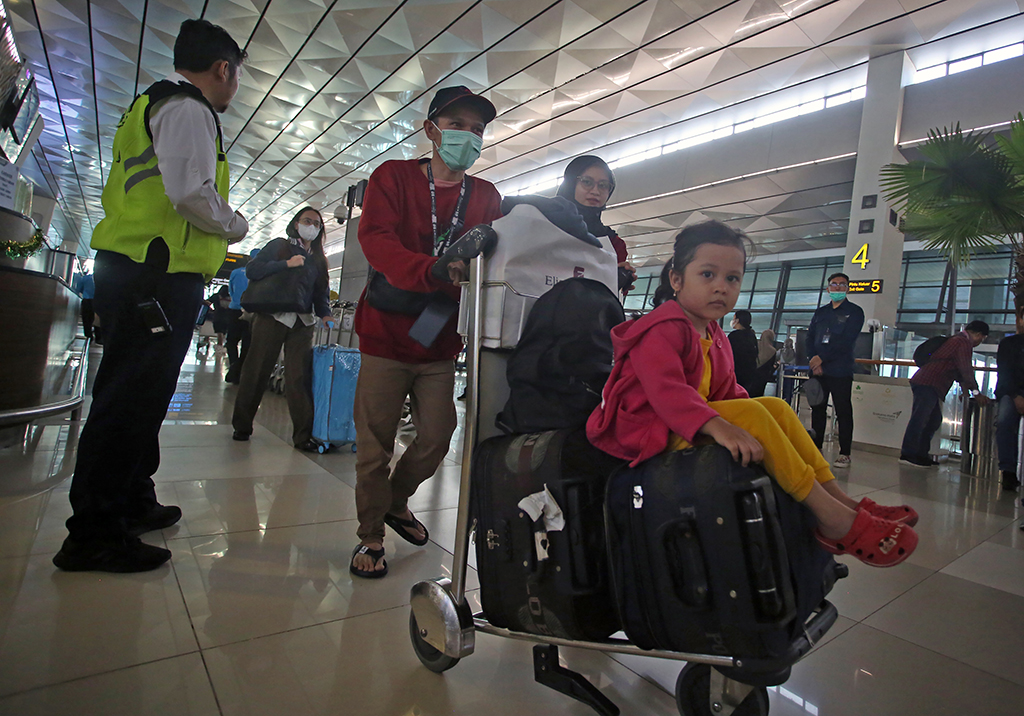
652,390
396,235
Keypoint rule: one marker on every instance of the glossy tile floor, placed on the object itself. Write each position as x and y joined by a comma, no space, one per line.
257,613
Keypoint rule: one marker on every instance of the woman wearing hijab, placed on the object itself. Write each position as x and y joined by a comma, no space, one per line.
588,183
767,362
303,251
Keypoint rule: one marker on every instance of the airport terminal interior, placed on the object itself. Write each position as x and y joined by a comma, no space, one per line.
774,116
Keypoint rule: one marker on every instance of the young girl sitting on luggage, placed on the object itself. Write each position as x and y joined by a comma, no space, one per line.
673,381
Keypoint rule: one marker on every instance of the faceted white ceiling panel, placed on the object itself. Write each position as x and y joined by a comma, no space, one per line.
334,88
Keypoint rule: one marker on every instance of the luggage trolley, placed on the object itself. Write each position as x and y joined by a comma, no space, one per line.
443,628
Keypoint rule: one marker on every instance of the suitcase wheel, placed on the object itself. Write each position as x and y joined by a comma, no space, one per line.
430,657
693,695
323,448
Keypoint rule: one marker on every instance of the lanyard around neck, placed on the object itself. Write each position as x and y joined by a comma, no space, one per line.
441,242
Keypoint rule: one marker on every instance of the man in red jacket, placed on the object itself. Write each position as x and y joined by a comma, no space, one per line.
412,211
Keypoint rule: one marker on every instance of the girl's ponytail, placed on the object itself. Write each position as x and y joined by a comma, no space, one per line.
664,292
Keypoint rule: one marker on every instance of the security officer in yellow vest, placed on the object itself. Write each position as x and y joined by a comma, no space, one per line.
165,233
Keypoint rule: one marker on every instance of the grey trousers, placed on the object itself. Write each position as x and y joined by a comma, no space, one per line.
268,335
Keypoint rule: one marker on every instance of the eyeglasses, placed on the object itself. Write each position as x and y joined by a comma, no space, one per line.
310,222
587,183
838,285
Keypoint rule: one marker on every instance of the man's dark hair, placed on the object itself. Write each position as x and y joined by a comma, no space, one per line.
977,327
744,318
837,275
200,44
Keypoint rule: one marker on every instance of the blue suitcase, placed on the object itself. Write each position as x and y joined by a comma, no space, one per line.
335,371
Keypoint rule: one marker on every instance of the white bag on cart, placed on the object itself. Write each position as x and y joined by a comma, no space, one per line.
532,255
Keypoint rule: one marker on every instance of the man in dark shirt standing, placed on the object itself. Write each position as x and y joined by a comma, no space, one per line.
830,339
744,350
1010,394
951,361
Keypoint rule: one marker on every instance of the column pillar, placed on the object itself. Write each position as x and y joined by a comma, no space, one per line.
874,246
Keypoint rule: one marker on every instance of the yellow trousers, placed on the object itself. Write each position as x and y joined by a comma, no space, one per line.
790,455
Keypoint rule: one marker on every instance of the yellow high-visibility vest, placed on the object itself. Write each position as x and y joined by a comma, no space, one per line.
135,204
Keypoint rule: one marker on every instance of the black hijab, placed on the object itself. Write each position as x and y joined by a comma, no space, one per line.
591,214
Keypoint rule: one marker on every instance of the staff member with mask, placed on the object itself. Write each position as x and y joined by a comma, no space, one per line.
830,339
413,210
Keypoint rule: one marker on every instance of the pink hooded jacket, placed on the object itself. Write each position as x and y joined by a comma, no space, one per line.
652,389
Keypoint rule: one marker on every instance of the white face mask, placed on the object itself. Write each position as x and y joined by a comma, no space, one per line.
308,232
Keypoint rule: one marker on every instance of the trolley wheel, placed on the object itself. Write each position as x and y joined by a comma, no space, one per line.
322,448
430,657
353,447
693,694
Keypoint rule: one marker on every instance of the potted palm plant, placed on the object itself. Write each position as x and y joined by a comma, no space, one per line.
964,195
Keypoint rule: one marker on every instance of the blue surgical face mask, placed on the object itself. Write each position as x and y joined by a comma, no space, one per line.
837,296
459,149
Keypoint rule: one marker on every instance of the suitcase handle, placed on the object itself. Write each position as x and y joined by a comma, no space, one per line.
686,564
760,552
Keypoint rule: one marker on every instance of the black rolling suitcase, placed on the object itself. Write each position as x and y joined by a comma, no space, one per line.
710,557
556,582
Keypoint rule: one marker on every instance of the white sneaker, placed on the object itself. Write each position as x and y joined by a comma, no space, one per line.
842,461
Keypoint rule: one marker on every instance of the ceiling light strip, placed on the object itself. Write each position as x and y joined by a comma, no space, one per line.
741,177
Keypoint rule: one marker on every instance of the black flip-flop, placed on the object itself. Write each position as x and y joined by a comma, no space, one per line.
402,527
376,555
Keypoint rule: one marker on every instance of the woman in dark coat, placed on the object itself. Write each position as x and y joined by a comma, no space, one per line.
303,251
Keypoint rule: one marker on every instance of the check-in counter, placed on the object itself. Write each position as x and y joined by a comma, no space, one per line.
881,411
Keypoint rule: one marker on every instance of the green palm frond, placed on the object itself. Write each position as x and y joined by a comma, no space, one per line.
1012,146
966,193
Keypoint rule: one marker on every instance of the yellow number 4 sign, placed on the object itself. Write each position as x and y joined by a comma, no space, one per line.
861,257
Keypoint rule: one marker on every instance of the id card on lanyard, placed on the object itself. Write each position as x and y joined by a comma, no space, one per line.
443,240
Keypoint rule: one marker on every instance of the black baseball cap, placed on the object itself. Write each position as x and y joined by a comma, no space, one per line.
448,96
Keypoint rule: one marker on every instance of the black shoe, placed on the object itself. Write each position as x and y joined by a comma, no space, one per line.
915,461
240,436
1010,481
309,446
125,554
160,517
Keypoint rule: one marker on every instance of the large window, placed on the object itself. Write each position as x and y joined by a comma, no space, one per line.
783,296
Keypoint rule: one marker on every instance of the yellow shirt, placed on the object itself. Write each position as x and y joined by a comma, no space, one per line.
675,442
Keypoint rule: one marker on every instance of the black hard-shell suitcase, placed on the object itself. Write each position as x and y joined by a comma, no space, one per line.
553,583
710,557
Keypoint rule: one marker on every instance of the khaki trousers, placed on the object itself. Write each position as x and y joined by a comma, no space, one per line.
380,394
268,335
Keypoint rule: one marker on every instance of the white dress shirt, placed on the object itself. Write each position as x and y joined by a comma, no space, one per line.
185,141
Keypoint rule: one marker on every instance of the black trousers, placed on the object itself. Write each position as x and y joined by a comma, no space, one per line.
840,388
925,419
119,449
238,331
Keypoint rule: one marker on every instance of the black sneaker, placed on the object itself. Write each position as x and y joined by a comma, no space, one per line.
160,517
915,461
309,446
1010,481
240,436
126,554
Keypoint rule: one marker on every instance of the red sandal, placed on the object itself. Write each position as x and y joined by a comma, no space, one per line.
874,541
897,513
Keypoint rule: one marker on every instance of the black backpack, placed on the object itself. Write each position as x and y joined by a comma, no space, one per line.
924,352
557,371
